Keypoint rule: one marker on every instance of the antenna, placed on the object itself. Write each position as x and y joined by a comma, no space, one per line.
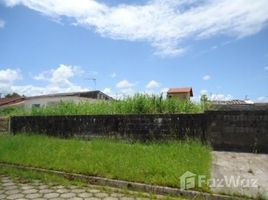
94,81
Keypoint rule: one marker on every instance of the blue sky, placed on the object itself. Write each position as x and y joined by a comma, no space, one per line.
219,48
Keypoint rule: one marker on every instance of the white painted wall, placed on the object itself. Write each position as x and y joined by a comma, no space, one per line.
181,96
44,101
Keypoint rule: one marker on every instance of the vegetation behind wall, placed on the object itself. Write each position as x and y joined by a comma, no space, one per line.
139,104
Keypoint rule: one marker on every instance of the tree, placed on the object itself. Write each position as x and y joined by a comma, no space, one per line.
204,102
10,95
204,98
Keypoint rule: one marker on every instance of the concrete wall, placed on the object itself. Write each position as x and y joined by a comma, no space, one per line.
224,130
240,107
238,130
143,127
180,96
4,125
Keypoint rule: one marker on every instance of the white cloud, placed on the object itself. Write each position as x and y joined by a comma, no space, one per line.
262,99
214,96
220,97
206,77
7,78
164,90
107,90
125,89
123,93
125,84
60,76
58,81
204,92
8,75
2,23
30,90
111,93
165,24
127,92
153,85
266,68
196,98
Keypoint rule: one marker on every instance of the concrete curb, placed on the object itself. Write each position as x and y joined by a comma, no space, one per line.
126,184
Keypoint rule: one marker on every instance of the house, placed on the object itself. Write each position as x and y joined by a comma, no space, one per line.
231,102
51,99
236,104
184,93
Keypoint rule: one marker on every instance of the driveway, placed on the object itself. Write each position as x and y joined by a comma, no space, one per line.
245,173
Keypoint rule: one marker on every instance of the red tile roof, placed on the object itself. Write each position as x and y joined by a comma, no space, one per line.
9,101
180,90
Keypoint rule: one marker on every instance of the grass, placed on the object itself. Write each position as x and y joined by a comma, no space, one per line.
139,104
151,163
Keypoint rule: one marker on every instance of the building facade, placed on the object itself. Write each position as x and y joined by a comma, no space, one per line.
183,94
52,99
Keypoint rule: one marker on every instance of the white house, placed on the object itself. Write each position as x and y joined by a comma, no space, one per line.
51,99
180,93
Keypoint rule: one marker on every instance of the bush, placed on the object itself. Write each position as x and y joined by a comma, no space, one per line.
138,104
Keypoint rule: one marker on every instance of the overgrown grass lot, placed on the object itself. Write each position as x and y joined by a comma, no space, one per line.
153,163
139,104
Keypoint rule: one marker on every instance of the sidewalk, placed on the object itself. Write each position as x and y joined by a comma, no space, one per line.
247,166
13,189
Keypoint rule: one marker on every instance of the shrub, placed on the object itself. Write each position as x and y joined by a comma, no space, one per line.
138,104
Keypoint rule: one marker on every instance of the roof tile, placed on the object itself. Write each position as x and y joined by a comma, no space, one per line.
180,90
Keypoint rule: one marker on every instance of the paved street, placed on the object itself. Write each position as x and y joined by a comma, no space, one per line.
11,189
